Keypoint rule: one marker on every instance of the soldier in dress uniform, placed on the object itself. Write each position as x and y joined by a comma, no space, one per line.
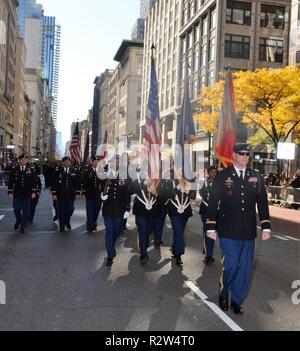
92,191
145,209
204,193
179,208
65,188
21,188
34,202
115,194
232,217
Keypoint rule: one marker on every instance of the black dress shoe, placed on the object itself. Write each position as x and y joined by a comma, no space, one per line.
144,259
17,226
179,261
109,262
62,230
68,225
223,303
55,218
237,309
22,231
209,261
95,227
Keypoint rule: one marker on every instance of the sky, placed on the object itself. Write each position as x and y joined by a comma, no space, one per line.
91,33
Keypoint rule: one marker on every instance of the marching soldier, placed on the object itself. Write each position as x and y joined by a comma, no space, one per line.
65,187
34,201
92,192
145,209
204,193
21,188
180,210
232,217
115,194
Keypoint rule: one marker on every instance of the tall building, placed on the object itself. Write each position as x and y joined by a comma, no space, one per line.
34,42
203,38
21,118
128,90
145,7
162,30
51,60
28,9
8,23
138,30
295,33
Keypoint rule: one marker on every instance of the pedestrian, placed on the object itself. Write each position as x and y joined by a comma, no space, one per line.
231,216
92,192
204,193
21,188
65,188
295,183
115,194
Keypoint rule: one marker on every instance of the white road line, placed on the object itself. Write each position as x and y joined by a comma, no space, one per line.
1,217
232,325
291,238
280,237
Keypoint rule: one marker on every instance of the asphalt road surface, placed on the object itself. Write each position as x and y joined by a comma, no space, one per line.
59,281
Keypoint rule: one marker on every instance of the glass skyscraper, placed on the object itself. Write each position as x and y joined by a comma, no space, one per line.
50,47
28,8
51,59
146,6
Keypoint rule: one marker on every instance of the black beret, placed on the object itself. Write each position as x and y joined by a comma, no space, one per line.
95,158
242,147
211,168
67,158
22,156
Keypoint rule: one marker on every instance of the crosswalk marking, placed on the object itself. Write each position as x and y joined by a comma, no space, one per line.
232,325
280,237
291,238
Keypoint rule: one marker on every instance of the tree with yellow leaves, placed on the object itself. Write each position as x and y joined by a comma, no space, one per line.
269,101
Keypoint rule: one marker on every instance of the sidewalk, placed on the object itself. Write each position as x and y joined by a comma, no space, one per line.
285,221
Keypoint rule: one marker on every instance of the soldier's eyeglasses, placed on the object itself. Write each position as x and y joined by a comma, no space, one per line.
244,153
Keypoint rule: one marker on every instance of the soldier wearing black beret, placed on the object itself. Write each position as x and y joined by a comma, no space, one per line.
21,188
91,185
236,192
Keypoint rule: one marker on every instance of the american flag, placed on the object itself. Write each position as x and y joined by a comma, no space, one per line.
152,137
75,147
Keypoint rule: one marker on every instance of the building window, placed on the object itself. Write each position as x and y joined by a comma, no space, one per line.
213,19
298,56
204,25
203,55
211,77
212,49
272,16
271,50
238,12
237,46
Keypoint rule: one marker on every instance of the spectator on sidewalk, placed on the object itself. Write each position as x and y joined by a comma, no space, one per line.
295,183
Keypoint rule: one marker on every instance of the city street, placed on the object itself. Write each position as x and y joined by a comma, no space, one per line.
59,281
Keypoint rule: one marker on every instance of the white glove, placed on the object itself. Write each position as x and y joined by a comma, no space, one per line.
126,215
104,197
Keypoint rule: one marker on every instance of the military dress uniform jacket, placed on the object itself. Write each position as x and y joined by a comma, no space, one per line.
91,184
232,205
177,198
22,183
143,197
66,186
119,197
204,193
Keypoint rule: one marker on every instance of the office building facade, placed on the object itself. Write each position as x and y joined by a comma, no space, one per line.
295,33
